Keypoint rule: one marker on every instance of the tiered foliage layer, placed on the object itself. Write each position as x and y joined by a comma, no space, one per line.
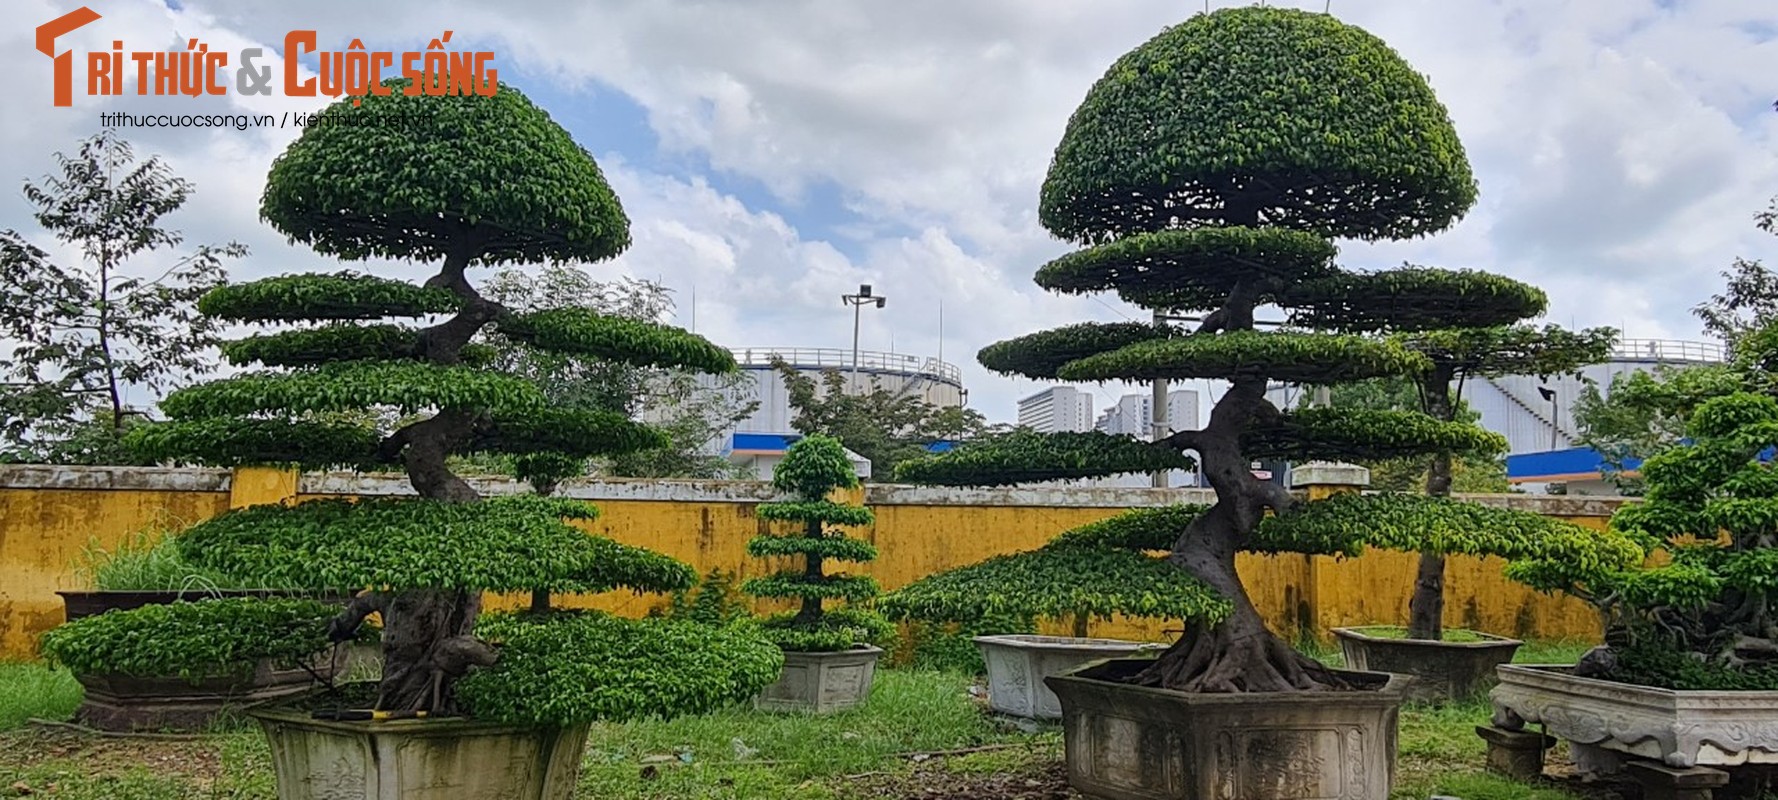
812,469
460,182
1206,172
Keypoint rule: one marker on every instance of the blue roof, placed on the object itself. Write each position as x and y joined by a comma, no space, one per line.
940,447
1575,463
774,442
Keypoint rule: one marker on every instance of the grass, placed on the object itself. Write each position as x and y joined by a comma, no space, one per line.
32,690
728,755
1452,635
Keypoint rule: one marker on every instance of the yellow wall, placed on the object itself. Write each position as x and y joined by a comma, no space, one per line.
707,524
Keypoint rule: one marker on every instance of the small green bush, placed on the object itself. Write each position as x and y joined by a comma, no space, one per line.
192,640
148,561
566,667
711,602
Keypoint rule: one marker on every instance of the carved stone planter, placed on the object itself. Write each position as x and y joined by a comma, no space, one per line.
1018,664
1606,720
130,703
1127,742
419,759
822,682
1441,670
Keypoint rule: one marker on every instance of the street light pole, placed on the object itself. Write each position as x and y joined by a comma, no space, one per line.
1555,412
857,302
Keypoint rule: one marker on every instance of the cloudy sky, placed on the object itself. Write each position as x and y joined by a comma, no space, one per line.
775,154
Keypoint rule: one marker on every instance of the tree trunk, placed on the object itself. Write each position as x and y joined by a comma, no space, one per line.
1080,624
1427,607
809,615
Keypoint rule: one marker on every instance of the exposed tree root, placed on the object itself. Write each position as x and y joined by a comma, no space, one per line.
1218,660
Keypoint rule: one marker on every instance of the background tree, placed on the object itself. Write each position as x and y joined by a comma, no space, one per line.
884,427
1207,177
1469,473
811,470
85,332
460,181
690,409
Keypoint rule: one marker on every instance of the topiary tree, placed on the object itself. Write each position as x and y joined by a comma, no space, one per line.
461,182
1703,619
1203,173
811,470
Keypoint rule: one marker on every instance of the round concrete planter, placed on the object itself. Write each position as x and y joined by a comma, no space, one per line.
1606,720
130,703
1127,742
1441,670
822,682
419,759
1018,665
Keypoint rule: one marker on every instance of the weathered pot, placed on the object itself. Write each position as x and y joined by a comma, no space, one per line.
88,603
419,759
1441,670
130,703
1605,718
822,682
1127,742
1018,663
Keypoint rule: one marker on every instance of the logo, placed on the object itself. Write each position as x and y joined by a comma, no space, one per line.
197,70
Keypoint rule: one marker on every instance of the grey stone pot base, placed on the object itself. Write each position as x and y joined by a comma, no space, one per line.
1441,670
1018,664
1126,742
822,682
1607,720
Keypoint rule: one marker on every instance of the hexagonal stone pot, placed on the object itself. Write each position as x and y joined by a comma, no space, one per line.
1018,664
420,759
1127,742
822,682
1441,670
1606,720
132,703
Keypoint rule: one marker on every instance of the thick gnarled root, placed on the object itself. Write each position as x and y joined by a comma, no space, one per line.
1217,660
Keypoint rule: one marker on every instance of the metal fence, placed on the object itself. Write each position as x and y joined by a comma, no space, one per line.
841,359
1669,350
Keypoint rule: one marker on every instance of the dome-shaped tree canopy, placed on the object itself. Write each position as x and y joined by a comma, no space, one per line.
1307,121
412,177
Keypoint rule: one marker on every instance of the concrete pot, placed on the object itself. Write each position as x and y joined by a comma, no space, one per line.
822,682
1441,670
1128,742
130,703
1018,664
420,759
1606,720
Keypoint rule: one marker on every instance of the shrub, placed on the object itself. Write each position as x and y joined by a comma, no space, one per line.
192,640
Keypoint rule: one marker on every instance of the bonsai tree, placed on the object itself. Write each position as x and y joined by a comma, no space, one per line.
1203,177
812,469
459,182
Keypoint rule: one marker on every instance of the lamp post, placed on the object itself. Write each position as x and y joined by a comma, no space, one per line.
859,301
1555,412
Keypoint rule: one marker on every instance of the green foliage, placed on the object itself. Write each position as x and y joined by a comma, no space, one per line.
823,511
1139,529
1203,259
1057,582
1411,298
191,640
1418,523
882,426
834,548
1348,139
795,584
1339,433
1644,412
711,602
338,296
838,629
1749,301
570,431
1513,350
812,468
951,645
1650,664
585,332
1289,357
571,667
1042,355
500,544
406,177
322,344
1482,472
249,441
1024,455
346,386
148,560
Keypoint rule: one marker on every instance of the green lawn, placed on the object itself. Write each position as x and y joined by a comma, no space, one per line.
865,753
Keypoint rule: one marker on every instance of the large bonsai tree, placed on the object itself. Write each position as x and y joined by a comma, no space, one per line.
812,469
460,182
1205,173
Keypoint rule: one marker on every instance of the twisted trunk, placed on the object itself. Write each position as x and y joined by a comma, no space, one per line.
427,634
809,616
1426,609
